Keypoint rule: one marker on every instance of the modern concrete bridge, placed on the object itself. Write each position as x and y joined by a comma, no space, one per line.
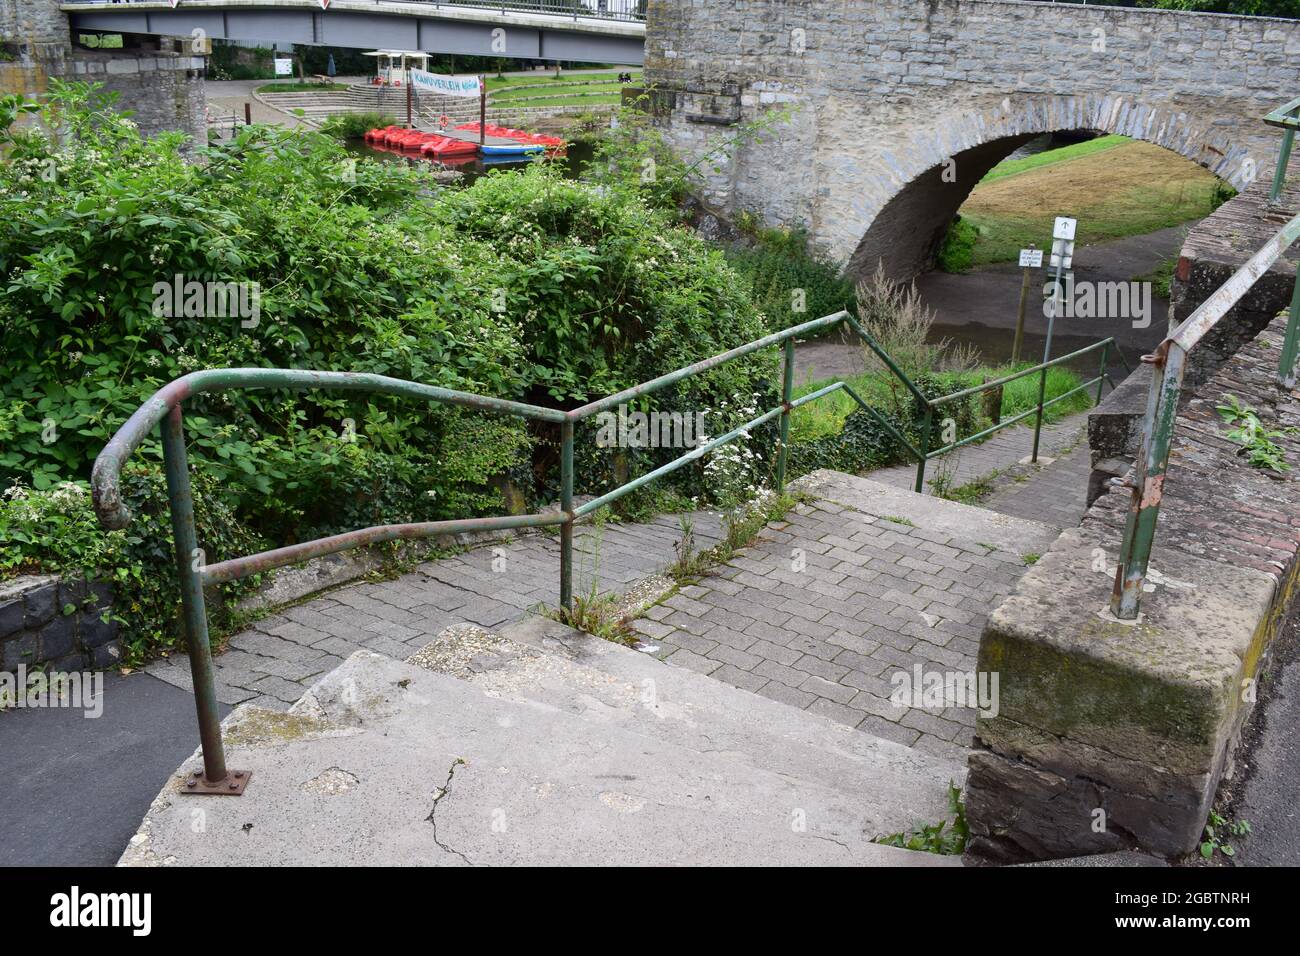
897,109
611,31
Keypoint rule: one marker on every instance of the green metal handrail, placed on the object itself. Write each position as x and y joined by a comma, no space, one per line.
1286,117
1169,361
164,410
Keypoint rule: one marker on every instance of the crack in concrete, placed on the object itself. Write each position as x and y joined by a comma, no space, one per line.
438,797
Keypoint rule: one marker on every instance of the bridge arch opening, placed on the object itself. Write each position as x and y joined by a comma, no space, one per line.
907,230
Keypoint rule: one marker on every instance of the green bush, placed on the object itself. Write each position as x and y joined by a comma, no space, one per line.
355,125
524,286
862,444
778,266
957,252
55,531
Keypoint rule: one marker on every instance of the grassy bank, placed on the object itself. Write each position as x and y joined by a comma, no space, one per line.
826,416
1114,186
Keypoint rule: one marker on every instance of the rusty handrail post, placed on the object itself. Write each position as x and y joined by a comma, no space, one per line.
787,393
1147,486
189,563
1038,418
1285,118
566,508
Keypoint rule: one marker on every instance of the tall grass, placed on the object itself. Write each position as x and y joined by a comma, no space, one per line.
826,416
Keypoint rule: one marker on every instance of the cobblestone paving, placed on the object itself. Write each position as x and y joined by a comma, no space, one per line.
278,658
1002,451
876,598
1055,494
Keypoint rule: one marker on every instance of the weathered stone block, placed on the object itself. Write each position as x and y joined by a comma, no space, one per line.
23,602
18,650
1107,732
40,604
11,616
105,655
97,629
59,637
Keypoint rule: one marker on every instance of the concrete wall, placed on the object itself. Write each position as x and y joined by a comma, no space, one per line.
884,93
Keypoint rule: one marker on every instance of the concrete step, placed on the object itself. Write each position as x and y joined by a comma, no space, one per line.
954,519
607,684
385,762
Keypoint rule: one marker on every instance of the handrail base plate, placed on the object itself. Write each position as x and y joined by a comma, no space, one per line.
232,786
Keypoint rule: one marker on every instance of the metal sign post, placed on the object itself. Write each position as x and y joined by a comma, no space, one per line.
1062,254
1031,258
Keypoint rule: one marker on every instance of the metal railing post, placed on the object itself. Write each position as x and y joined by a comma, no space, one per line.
566,507
1147,487
188,566
1283,159
787,393
925,448
1101,372
1291,341
1038,418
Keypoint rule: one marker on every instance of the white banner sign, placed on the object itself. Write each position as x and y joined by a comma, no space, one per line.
284,67
1031,258
445,85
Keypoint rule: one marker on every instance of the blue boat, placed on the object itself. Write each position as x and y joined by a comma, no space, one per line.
516,149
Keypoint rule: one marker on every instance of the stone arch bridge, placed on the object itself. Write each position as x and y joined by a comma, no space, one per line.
881,95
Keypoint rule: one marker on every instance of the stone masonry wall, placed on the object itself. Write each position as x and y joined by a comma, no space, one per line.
45,619
1112,735
164,92
882,93
163,89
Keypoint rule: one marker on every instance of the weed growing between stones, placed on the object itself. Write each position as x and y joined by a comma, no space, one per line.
946,838
1217,830
1256,440
741,526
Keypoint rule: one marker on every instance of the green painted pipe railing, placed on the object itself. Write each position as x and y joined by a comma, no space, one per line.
1170,361
1286,117
165,410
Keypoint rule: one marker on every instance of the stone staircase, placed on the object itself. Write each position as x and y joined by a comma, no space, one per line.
538,744
521,741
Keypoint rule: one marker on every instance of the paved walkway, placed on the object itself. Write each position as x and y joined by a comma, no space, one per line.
274,662
865,584
1002,451
1056,493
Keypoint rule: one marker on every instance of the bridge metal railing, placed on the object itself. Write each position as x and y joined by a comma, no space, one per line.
633,10
165,411
628,10
1170,361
